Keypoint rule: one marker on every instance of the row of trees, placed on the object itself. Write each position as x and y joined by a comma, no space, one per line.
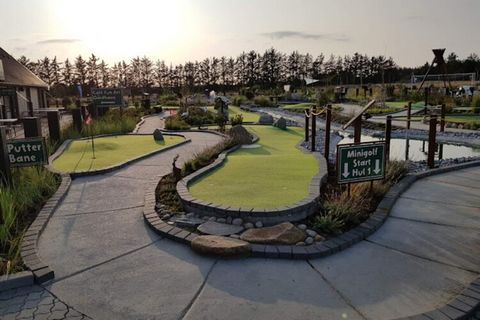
268,70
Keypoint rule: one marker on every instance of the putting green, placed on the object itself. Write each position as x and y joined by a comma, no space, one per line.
306,105
109,151
247,116
273,175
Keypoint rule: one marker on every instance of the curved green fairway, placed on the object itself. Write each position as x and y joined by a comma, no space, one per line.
273,175
247,116
109,151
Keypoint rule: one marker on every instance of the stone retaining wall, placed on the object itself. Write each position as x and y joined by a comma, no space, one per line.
293,212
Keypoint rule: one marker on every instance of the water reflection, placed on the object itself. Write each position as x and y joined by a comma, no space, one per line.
417,150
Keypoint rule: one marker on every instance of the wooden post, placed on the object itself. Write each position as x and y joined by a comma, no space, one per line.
432,142
32,127
327,132
5,173
78,103
357,130
30,108
77,119
426,100
307,112
388,136
442,118
356,92
409,114
314,126
53,118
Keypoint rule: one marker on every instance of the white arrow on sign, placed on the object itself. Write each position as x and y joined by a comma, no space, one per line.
377,166
345,173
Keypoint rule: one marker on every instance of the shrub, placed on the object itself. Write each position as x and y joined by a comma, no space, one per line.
221,120
341,211
236,120
176,123
206,156
239,100
476,102
263,101
198,116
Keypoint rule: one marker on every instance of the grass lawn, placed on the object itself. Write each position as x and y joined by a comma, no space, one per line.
234,110
306,105
108,151
247,116
402,104
273,175
451,118
463,118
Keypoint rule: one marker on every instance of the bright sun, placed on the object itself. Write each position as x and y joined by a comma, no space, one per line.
125,28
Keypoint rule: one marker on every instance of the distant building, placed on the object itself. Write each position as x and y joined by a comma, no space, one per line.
21,91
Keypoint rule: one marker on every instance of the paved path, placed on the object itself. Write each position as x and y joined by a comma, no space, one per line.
108,265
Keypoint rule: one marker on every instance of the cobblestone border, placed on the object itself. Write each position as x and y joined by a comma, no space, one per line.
16,280
74,175
29,248
294,212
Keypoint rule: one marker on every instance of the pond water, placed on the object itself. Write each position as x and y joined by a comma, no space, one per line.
416,150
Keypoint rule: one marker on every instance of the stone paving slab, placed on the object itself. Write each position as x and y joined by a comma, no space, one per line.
435,212
268,289
433,191
450,245
385,284
110,234
156,282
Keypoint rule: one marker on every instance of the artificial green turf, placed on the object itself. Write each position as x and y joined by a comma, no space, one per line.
402,104
274,175
247,116
298,106
109,151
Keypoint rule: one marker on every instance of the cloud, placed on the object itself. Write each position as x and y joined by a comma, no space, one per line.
278,35
58,41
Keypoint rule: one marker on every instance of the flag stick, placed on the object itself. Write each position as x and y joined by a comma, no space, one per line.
93,143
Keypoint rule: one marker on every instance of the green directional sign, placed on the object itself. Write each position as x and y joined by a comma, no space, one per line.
27,152
107,97
360,162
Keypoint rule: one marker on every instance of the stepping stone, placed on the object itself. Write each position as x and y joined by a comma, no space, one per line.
185,222
222,246
219,229
283,233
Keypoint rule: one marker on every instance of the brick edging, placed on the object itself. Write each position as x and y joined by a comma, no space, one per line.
293,212
74,175
29,247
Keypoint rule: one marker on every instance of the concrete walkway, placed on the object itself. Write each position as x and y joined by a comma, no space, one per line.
108,264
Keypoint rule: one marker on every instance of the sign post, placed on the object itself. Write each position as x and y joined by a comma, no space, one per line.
360,162
5,174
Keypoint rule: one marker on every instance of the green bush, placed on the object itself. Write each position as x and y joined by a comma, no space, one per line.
476,102
342,210
237,119
239,100
206,157
198,117
221,120
176,123
263,101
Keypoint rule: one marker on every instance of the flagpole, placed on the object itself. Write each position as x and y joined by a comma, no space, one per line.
93,143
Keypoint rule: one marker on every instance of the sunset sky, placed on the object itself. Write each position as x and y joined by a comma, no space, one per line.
179,30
